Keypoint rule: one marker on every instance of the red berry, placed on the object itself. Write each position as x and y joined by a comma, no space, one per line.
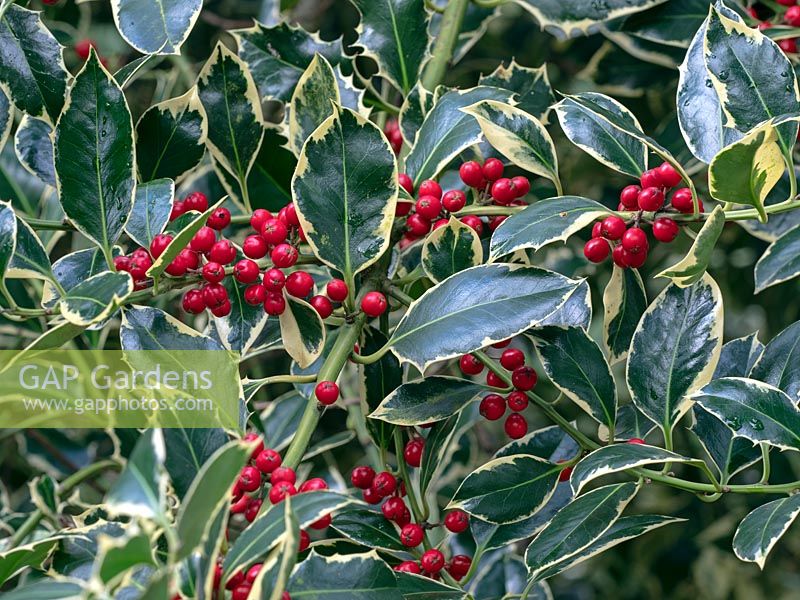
314,484
190,258
524,378
327,392
253,572
512,358
193,302
249,479
667,175
336,290
362,477
629,196
322,305
384,484
517,401
618,255
255,294
246,271
636,441
456,521
203,240
650,179
792,16
178,208
612,227
177,267
403,519
268,460
473,221
274,304
495,222
788,45
413,452
432,561
565,473
492,169
471,174
241,592
459,566
274,280
122,263
159,243
494,380
634,240
786,2
82,47
393,508
430,188
516,426
418,225
634,260
284,255
408,566
429,207
665,229
251,512
223,310
305,542
371,496
235,580
502,344
274,231
406,183
402,208
254,246
140,263
596,250
214,295
597,230
259,446
503,191
492,407
222,252
682,200
322,523
411,535
280,490
299,284
374,304
288,214
651,199
470,365
213,272
454,200
286,474
258,218
219,219
196,201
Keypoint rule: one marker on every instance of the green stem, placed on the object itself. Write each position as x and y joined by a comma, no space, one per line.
766,464
399,295
490,3
410,492
445,43
357,422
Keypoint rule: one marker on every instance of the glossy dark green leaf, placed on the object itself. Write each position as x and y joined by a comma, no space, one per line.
654,53
233,112
437,445
419,587
692,267
45,495
277,56
72,269
149,328
240,329
345,190
369,528
141,489
30,258
281,419
344,577
780,262
753,410
25,557
590,121
577,526
122,555
674,350
31,63
96,298
550,443
170,138
507,489
156,26
378,380
450,249
48,589
94,159
761,529
575,364
271,581
187,451
779,364
152,206
34,147
417,104
461,313
624,302
427,400
6,116
576,310
729,453
394,34
127,73
531,86
614,71
738,357
312,101
446,131
302,330
8,236
673,23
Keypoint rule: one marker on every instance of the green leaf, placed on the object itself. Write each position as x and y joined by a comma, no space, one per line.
30,259
344,577
149,328
71,270
779,364
438,444
746,171
462,313
507,489
550,443
8,236
152,206
94,155
209,490
141,489
394,34
692,267
673,23
277,56
417,104
127,73
45,495
34,147
31,63
368,528
729,453
619,457
674,350
752,76
233,112
518,136
302,330
96,298
600,127
577,526
531,86
378,380
281,418
413,586
570,18
156,26
446,132
345,190
171,137
312,101
187,452
48,589
6,115
427,400
27,556
614,71
450,249
240,329
624,303
761,529
116,556
271,581
738,356
575,364
753,410
780,262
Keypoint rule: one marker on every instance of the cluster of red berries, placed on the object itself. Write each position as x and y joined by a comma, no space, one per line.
433,205
523,379
386,488
791,17
392,132
626,241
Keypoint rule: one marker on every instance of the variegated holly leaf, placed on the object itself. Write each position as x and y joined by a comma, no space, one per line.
96,298
518,136
779,363
345,190
30,258
8,236
94,158
312,101
356,576
6,115
149,328
624,302
240,329
272,579
440,445
416,105
171,137
302,330
71,270
450,249
672,23
531,86
187,452
692,268
576,310
674,350
156,26
729,453
33,144
761,529
378,380
26,556
550,443
152,206
544,222
459,314
616,72
141,489
780,262
368,528
738,356
412,585
31,63
427,400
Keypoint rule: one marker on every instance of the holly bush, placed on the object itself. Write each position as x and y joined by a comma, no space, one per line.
510,285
